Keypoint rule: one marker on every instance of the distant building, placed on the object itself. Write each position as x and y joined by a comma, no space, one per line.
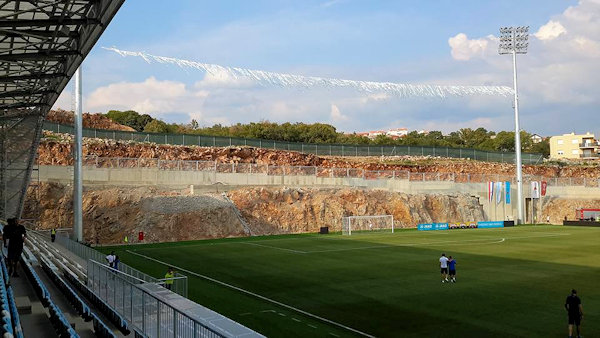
535,138
574,146
398,132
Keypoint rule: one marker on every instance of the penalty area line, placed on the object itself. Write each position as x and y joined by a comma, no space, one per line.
329,321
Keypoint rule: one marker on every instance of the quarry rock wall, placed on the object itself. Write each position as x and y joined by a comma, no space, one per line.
111,213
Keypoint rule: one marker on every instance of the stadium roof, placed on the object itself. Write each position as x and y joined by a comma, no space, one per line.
42,43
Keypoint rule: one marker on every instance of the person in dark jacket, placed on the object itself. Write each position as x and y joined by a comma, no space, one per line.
575,312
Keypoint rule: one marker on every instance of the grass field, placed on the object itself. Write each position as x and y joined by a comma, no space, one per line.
512,282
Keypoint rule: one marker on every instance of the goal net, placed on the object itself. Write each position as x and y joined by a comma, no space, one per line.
380,223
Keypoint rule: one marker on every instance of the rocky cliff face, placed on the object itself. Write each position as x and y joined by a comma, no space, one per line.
305,210
112,213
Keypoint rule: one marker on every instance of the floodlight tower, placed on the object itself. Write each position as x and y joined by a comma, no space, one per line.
514,40
78,153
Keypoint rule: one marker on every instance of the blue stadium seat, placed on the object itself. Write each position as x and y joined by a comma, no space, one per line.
57,318
100,304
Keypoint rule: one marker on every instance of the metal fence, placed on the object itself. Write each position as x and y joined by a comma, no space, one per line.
142,309
180,283
265,169
309,148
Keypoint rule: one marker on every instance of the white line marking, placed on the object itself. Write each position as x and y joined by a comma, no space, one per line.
265,311
296,320
274,247
485,240
245,314
314,327
333,334
281,314
255,295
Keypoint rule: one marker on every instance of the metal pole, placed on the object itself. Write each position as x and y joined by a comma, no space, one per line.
519,163
77,181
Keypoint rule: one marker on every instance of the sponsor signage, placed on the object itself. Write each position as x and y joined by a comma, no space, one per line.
459,225
462,225
432,226
507,189
488,225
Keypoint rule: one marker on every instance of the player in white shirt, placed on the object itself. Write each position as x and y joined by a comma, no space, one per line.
444,267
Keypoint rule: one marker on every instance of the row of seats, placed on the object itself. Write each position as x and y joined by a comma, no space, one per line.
101,330
100,304
57,318
7,329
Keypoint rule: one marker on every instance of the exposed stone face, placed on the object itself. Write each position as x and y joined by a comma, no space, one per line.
305,210
111,213
558,208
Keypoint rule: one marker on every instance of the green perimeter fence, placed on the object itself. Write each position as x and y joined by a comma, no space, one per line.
317,149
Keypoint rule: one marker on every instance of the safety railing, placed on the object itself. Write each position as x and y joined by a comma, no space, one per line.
149,313
252,168
309,148
180,283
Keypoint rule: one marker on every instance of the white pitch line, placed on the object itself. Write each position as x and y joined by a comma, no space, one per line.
255,295
274,247
494,241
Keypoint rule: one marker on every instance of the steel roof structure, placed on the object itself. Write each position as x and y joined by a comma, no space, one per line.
42,43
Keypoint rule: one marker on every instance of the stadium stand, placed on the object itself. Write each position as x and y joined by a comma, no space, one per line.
57,318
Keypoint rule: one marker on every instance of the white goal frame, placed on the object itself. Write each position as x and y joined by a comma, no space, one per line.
347,223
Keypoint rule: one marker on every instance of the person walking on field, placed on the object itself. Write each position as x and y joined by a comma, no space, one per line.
452,269
169,278
444,267
575,312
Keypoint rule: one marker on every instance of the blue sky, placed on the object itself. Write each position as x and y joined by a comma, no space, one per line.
432,42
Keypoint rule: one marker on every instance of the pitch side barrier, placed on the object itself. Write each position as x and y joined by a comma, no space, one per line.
466,225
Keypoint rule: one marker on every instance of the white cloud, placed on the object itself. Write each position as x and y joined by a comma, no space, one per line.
463,48
151,96
336,115
550,31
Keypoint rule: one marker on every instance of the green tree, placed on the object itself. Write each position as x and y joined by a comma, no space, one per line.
157,126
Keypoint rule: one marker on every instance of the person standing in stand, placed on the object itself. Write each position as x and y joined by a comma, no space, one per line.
14,235
169,278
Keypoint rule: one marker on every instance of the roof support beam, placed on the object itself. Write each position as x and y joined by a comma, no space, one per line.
48,22
9,79
44,56
21,93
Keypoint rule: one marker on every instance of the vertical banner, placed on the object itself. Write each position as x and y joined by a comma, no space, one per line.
544,187
490,191
535,189
507,189
498,192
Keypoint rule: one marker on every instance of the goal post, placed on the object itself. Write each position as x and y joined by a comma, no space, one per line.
377,223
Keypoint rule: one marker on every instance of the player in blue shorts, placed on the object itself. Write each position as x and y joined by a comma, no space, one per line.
452,269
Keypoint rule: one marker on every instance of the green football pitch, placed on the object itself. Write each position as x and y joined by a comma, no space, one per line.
511,282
